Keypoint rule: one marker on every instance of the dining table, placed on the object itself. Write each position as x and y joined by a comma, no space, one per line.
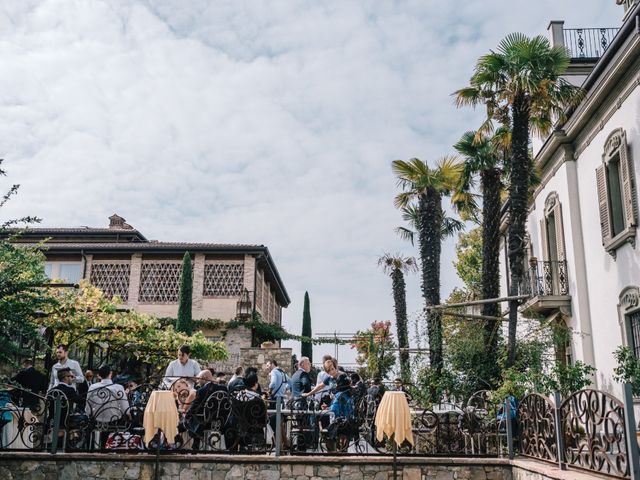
161,414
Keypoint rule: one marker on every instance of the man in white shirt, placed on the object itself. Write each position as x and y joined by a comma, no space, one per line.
106,401
183,366
62,352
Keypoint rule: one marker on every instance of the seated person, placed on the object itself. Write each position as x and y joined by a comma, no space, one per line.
376,390
65,382
106,401
183,393
195,404
251,387
342,403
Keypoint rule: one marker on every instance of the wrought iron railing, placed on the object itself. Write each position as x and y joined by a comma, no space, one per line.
589,430
545,278
588,43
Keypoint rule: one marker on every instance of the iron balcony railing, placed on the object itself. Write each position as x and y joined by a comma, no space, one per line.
545,278
588,43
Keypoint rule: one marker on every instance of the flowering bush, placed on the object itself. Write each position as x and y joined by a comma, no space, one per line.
376,349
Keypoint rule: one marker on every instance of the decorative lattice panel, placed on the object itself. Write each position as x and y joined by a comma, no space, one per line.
112,279
160,282
223,280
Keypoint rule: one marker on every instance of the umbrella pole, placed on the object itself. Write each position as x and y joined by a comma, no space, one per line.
395,458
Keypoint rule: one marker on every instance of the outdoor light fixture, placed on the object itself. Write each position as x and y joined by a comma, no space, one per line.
244,308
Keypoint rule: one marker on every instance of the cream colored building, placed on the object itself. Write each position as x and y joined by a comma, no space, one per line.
584,261
146,274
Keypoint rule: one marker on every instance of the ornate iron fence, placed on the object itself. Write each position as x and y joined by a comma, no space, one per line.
590,429
546,278
588,44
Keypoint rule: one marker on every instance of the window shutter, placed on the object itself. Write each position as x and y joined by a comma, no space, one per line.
628,195
557,214
544,236
603,203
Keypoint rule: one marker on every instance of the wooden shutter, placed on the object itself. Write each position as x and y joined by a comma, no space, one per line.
603,203
628,195
557,214
544,237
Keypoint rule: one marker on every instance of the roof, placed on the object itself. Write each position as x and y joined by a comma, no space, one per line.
86,240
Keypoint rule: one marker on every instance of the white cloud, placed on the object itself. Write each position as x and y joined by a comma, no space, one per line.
261,121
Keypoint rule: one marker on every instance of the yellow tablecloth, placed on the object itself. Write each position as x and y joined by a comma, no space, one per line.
161,413
393,417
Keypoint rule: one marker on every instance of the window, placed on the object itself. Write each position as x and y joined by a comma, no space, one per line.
68,272
160,282
629,315
223,279
112,278
634,328
616,194
553,267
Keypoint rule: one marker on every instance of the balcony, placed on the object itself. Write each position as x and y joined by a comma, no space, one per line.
588,44
548,285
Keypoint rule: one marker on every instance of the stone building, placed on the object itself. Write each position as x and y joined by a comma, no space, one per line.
584,264
145,274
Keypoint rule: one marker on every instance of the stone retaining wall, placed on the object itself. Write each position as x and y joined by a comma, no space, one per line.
43,466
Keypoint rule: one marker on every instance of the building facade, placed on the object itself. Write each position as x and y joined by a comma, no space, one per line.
145,274
584,261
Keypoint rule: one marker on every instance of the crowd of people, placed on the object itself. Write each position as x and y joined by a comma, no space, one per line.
98,396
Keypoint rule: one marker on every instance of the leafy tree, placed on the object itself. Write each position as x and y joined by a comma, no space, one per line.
469,260
396,266
521,87
424,188
79,318
376,349
306,347
627,369
184,323
21,287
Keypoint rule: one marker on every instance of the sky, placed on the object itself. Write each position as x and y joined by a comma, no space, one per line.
266,122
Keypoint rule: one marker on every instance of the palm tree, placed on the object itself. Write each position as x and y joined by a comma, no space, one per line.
521,87
396,266
484,158
423,187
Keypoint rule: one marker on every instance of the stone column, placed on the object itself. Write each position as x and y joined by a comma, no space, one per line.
198,281
134,278
88,259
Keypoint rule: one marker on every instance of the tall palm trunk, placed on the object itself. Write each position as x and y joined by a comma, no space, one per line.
490,183
518,193
400,303
430,249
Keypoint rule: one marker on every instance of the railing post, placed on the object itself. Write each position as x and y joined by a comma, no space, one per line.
630,428
557,412
509,427
55,428
278,425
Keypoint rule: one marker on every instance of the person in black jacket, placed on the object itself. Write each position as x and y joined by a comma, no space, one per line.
30,379
193,420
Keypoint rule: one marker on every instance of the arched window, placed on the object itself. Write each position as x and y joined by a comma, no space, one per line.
629,314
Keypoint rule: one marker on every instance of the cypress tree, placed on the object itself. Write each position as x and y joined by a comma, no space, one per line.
306,348
184,322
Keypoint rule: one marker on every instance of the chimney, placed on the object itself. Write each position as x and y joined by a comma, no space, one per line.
117,222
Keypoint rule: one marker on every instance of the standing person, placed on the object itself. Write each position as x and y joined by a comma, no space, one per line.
376,391
30,379
322,375
83,387
62,353
183,366
278,381
329,381
300,381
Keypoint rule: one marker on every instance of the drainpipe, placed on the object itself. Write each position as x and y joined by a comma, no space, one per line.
84,263
577,240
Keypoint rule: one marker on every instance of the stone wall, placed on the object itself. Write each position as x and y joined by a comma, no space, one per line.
255,357
88,466
74,467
